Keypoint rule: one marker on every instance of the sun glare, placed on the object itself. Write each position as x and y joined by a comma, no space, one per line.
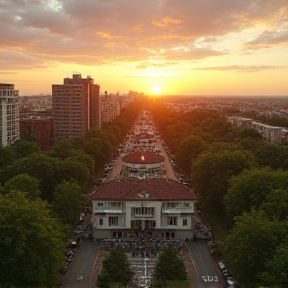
156,90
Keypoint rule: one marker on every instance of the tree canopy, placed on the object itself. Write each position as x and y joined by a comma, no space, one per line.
250,247
169,266
31,242
115,269
251,187
211,173
24,183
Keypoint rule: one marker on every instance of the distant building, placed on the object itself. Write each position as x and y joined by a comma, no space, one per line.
142,165
110,107
269,133
39,127
9,114
132,207
75,106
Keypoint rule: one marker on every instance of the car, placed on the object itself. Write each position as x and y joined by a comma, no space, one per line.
221,265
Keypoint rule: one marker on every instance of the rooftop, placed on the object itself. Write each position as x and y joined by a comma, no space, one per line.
144,190
143,157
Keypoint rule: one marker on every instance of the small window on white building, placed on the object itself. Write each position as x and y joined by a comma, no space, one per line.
100,204
184,222
113,221
100,221
172,221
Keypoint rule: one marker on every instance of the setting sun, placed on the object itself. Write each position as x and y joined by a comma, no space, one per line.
156,90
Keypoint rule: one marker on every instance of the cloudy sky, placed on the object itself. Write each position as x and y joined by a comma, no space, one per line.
177,47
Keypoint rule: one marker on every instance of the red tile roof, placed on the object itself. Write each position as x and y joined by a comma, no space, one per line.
144,157
144,190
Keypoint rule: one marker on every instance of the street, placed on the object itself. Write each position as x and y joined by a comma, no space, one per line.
207,273
82,265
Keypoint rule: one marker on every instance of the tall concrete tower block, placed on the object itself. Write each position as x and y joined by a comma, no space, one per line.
75,107
9,114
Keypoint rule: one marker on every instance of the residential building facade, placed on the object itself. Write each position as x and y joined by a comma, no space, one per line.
269,133
40,127
131,208
9,114
75,106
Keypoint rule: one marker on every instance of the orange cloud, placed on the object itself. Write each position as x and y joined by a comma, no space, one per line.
165,22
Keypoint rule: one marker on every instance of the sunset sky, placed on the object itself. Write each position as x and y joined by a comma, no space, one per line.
177,47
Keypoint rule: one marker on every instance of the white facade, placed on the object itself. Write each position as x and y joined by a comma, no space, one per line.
269,133
126,217
9,114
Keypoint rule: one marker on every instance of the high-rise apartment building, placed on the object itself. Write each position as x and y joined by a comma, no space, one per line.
75,106
9,114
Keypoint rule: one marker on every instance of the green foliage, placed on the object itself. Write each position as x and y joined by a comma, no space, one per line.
68,202
276,272
250,188
249,133
275,204
211,173
31,242
61,149
272,155
39,166
188,151
115,269
251,245
72,169
19,149
169,266
24,183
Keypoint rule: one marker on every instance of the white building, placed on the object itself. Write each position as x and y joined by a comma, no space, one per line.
142,164
269,133
131,208
9,114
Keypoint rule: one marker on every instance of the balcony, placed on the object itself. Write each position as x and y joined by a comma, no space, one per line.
108,209
178,209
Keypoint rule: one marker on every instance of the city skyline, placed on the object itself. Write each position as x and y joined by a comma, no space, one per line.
156,47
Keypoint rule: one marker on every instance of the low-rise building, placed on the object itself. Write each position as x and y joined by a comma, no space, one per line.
131,208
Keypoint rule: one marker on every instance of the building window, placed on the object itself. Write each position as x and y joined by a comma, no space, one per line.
144,211
172,221
113,221
100,221
100,204
184,222
115,204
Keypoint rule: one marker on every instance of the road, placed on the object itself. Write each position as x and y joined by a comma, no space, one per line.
82,265
207,273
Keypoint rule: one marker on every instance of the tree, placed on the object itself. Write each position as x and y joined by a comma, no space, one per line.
275,204
247,132
169,266
211,173
272,155
31,242
115,269
276,272
250,245
24,183
250,188
39,166
188,151
72,169
68,202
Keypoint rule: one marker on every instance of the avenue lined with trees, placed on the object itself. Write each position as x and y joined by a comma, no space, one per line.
240,180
